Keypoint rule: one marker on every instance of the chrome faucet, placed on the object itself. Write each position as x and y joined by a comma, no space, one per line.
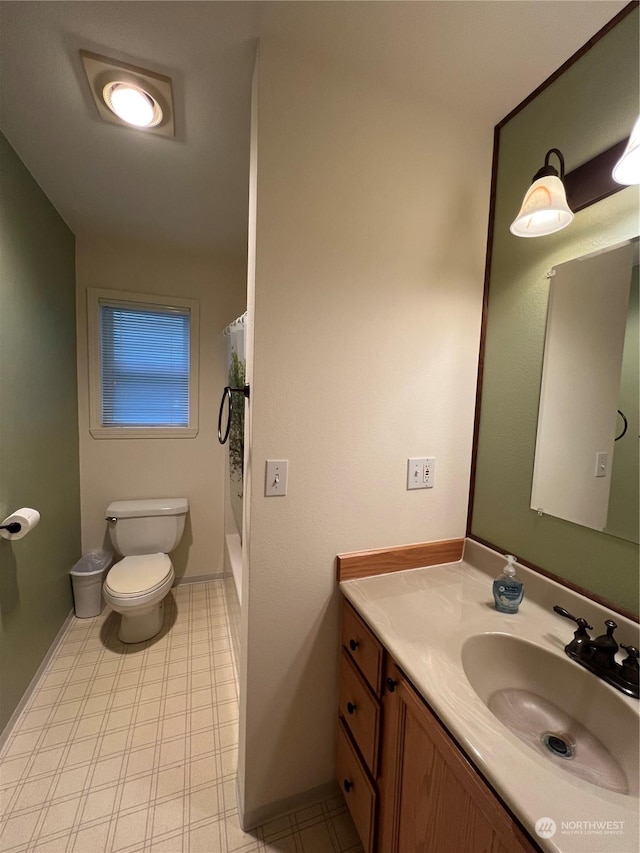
599,655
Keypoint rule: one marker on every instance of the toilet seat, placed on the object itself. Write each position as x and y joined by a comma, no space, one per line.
136,582
134,576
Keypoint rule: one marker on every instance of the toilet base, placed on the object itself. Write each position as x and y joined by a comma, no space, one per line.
141,625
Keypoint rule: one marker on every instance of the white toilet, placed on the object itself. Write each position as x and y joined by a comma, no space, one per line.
143,532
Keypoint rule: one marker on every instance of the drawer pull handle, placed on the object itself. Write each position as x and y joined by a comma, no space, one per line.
351,707
353,645
347,785
391,685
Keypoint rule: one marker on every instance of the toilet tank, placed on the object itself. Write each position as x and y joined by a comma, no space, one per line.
146,526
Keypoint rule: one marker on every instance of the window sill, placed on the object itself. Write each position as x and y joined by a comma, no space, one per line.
143,432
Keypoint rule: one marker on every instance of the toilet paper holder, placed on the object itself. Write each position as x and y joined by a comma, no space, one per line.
19,523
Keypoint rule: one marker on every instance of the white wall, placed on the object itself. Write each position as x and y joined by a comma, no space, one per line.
243,657
371,228
138,468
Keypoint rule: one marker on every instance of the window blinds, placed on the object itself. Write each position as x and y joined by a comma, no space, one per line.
144,365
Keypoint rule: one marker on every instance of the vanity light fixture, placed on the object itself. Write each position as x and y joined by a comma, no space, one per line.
627,169
128,95
544,208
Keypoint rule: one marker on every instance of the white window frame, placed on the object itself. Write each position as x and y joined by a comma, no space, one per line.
96,296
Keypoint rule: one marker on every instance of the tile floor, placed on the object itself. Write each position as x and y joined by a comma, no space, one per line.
134,748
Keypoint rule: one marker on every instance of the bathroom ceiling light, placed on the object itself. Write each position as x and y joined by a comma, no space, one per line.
128,95
627,169
132,104
544,208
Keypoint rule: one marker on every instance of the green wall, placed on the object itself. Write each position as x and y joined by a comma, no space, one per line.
590,107
39,424
624,500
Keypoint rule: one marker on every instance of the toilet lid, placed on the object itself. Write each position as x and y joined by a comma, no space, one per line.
134,575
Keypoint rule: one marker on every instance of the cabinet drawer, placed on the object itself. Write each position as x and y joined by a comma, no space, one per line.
358,791
363,647
361,712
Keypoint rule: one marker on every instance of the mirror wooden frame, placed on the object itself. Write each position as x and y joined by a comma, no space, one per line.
585,185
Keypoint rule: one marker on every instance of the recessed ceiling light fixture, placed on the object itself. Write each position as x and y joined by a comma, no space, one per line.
129,95
132,104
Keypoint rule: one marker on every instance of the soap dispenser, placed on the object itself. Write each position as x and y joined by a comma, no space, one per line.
508,590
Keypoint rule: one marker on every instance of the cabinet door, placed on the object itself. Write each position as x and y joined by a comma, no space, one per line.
431,799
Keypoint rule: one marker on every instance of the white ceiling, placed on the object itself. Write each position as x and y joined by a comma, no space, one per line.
482,56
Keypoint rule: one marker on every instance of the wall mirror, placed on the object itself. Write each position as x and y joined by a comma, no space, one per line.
586,457
587,107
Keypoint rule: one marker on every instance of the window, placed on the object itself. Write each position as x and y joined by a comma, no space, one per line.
143,365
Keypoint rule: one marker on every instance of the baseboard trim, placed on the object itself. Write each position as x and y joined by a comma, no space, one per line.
263,814
13,719
217,576
240,803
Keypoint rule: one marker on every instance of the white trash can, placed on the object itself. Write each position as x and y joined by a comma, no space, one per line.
87,577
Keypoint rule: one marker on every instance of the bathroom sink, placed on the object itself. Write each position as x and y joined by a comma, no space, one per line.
557,708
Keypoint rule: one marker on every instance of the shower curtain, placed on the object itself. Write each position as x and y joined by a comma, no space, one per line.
234,334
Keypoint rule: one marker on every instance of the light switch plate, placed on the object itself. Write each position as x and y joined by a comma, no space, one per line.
421,472
602,465
276,474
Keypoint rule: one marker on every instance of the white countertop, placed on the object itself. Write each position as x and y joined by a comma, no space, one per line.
423,617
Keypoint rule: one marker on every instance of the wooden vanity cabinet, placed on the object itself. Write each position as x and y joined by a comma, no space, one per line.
430,797
359,723
408,786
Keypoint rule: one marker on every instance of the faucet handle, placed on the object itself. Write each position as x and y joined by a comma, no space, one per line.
629,669
582,623
580,646
632,652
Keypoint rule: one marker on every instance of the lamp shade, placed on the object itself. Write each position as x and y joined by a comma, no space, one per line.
627,169
544,209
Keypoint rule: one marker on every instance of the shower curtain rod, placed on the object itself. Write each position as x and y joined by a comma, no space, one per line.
240,321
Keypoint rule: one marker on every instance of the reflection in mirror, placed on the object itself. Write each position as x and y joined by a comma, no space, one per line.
586,461
585,109
624,500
